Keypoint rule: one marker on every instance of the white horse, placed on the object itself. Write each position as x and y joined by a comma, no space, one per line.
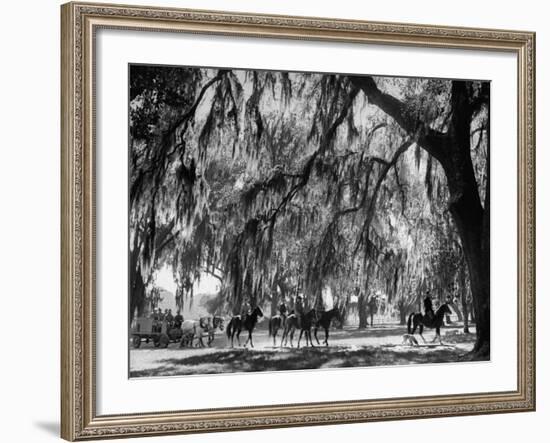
191,330
214,323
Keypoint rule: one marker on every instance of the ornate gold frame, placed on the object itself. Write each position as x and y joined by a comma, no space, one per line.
79,420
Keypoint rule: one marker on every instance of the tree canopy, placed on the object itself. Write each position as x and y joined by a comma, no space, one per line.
281,182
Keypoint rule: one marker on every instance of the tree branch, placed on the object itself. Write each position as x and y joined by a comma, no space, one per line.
429,139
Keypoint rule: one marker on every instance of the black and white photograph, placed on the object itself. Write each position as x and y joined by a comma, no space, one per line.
301,220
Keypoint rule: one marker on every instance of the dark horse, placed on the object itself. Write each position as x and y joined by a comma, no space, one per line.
435,322
323,321
237,323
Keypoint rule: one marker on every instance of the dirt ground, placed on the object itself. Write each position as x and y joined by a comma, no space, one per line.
381,345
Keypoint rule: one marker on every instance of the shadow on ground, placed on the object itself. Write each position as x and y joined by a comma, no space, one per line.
271,359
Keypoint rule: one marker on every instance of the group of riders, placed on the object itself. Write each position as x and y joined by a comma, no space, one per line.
298,318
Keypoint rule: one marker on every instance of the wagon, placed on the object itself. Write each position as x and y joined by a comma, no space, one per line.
149,329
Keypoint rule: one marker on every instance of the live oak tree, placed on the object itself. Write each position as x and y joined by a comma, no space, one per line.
277,183
451,146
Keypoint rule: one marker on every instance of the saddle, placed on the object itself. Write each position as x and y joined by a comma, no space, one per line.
428,318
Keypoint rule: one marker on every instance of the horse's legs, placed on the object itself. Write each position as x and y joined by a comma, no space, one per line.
300,337
326,336
284,337
310,340
239,337
315,334
420,330
438,335
250,338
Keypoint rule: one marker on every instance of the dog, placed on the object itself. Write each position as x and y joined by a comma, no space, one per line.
409,339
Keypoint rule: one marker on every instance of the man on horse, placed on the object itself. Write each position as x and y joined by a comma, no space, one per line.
283,310
428,307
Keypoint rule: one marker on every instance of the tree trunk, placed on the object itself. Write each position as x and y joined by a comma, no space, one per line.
274,302
472,222
465,314
402,314
452,150
137,293
362,310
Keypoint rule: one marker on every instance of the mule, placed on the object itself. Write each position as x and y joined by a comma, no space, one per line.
213,324
191,330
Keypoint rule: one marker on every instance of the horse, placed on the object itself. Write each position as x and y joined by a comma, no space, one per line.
304,322
307,321
192,329
324,321
237,323
290,326
417,319
277,322
217,323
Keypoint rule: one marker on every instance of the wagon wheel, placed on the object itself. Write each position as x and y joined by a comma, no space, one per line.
164,340
136,341
156,341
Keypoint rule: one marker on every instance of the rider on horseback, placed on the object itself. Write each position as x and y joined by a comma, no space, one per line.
428,307
283,312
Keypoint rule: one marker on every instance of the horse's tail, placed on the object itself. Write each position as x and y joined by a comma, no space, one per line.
409,323
228,329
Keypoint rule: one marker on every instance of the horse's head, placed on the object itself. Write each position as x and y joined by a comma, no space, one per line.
258,312
444,309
